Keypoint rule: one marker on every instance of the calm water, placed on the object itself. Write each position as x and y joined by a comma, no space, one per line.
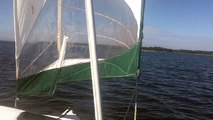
172,86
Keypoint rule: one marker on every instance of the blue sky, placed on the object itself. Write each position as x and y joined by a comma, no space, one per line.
6,20
177,24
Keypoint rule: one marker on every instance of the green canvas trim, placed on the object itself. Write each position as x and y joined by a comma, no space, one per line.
44,83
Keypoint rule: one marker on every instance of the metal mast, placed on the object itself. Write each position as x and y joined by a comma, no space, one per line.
138,72
93,58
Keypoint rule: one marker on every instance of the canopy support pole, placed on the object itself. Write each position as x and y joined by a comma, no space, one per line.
93,58
62,52
59,33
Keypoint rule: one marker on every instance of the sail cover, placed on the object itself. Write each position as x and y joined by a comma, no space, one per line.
44,60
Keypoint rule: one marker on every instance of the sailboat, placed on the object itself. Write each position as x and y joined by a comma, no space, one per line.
60,41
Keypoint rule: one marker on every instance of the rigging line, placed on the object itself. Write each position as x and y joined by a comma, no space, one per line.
133,95
113,39
36,58
136,94
107,17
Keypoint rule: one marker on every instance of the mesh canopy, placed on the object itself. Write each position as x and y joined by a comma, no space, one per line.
41,63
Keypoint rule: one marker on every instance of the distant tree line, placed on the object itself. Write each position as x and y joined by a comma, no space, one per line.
161,49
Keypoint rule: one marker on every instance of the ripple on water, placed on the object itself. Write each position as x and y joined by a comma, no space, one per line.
172,86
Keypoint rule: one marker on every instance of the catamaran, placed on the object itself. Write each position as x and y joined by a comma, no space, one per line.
60,41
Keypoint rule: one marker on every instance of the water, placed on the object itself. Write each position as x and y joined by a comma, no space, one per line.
172,86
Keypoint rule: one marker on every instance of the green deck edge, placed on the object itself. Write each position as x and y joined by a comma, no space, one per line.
44,83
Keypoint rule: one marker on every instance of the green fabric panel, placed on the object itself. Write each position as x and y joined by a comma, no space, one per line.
75,73
122,65
44,83
39,84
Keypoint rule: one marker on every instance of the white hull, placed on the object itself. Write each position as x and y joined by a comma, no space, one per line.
8,113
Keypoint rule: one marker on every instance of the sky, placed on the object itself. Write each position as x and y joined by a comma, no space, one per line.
176,24
6,20
179,24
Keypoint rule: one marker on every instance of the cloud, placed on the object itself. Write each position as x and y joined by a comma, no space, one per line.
158,37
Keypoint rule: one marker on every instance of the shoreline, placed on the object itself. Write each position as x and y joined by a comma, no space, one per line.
160,49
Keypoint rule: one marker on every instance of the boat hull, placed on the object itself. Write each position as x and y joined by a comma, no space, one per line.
8,113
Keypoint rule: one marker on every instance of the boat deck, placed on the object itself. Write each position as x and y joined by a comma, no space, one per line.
8,113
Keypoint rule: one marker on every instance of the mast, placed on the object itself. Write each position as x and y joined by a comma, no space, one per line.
93,58
17,36
138,72
59,33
